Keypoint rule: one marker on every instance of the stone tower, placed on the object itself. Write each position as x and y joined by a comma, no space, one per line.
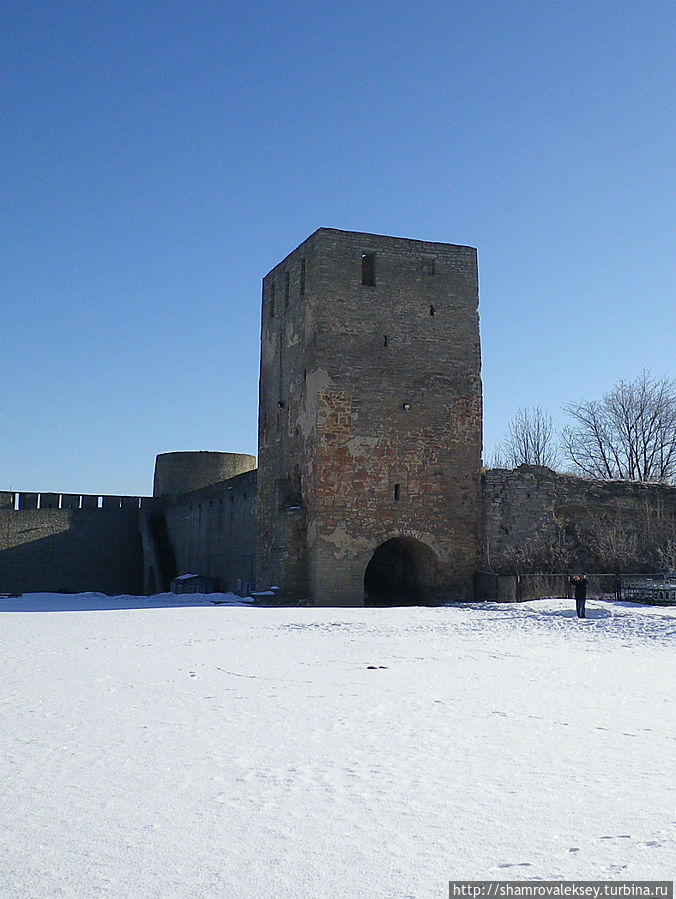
370,421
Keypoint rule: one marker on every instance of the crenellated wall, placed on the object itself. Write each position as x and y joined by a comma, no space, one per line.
62,542
70,543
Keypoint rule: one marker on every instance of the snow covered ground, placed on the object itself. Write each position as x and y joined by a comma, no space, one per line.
174,748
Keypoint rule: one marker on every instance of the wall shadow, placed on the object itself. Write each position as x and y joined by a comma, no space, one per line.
99,602
75,551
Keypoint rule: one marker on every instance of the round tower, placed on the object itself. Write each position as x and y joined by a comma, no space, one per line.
184,472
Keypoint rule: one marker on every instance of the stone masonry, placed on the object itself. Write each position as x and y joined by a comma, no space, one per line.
370,419
369,486
534,508
72,543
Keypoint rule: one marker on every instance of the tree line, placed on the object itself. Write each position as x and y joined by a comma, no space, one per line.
628,434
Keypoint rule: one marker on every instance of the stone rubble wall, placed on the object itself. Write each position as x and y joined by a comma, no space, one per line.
533,504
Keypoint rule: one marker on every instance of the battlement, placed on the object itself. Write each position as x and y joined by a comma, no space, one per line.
22,501
70,542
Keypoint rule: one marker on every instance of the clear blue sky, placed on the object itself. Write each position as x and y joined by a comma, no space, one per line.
158,158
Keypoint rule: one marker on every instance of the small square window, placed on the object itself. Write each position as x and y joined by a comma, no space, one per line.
428,265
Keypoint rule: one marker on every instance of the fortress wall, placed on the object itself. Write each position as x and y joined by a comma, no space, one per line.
537,506
65,542
212,531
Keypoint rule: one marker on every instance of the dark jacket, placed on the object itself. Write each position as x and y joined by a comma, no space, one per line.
580,587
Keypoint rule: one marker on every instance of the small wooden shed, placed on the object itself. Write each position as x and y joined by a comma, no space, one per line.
192,583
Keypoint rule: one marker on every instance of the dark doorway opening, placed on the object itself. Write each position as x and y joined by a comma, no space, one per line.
402,572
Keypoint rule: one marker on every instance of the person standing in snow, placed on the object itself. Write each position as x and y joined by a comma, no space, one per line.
580,583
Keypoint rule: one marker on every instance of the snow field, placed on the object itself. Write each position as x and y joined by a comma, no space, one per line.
208,751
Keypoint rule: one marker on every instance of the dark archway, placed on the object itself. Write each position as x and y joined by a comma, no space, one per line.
402,572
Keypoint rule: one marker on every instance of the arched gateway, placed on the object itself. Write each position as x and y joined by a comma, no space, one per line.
402,572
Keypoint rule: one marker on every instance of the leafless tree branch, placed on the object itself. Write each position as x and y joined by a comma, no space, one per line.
630,434
529,440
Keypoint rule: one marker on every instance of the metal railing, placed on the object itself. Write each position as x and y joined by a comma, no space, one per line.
659,588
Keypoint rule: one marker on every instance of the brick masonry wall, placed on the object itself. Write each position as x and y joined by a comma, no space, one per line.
284,442
339,361
76,549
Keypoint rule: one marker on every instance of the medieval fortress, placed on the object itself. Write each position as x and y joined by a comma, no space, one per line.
369,487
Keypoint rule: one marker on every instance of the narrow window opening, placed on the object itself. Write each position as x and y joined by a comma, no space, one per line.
302,277
396,491
368,269
305,374
272,300
385,340
287,287
432,310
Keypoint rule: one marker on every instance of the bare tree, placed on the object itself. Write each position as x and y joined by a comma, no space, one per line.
529,440
544,551
637,540
612,545
630,434
666,556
